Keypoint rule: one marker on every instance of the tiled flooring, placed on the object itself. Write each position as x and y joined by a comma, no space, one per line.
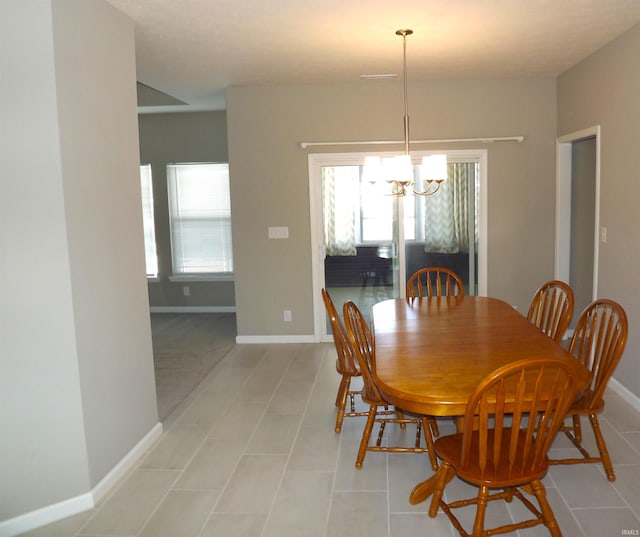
253,454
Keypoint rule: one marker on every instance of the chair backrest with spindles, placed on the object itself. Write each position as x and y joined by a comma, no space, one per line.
364,346
598,342
551,308
434,281
346,363
513,415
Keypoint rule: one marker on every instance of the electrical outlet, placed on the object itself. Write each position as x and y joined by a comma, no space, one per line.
186,290
287,316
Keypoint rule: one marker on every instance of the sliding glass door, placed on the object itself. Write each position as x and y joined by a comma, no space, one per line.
367,242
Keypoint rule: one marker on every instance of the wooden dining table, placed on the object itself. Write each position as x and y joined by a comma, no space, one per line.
431,353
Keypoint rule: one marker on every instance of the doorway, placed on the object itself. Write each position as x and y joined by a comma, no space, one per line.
365,243
578,208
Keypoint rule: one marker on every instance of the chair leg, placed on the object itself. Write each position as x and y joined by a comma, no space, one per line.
577,428
341,401
400,416
435,432
478,524
366,434
602,448
428,438
547,513
342,390
339,419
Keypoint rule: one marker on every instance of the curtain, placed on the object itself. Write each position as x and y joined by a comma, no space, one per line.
447,212
340,206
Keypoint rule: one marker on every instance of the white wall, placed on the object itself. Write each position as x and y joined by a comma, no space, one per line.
77,386
44,454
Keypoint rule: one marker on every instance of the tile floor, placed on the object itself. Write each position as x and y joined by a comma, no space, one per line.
252,453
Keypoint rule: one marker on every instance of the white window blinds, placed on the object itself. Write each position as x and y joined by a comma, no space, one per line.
200,218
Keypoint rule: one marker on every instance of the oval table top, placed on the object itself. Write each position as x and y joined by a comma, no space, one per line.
432,352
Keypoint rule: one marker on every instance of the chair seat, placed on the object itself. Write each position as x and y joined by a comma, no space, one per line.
370,397
347,368
584,404
449,448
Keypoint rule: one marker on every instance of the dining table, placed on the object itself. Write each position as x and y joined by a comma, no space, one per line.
431,353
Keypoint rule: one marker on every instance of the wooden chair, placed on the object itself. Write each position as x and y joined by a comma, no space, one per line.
552,308
434,281
509,424
346,364
363,345
598,343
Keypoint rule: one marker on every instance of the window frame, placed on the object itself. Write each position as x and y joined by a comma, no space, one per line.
149,222
178,275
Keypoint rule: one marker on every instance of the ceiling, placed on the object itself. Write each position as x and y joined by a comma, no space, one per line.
192,50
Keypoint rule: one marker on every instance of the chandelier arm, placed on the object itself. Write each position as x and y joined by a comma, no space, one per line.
398,187
428,191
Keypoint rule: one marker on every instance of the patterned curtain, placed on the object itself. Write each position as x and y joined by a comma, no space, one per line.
447,212
340,202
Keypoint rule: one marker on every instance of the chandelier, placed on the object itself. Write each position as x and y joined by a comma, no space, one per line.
398,171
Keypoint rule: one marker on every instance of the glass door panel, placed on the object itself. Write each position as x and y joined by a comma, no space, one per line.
442,229
360,237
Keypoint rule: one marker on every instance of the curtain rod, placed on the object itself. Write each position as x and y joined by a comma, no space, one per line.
304,145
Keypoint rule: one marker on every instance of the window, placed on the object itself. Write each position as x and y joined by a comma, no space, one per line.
200,218
150,254
355,211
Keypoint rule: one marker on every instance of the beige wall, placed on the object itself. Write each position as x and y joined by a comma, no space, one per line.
604,90
171,138
269,179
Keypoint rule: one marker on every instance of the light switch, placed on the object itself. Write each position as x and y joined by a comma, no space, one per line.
278,232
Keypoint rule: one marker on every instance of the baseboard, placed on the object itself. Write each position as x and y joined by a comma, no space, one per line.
78,504
625,393
46,515
109,481
192,309
275,339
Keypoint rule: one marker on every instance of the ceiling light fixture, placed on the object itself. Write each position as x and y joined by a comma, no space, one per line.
398,170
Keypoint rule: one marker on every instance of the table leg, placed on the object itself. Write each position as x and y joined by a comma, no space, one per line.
437,481
460,423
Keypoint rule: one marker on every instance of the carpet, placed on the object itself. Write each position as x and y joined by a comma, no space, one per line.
186,347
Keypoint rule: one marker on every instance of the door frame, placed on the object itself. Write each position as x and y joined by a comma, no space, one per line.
317,160
564,178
